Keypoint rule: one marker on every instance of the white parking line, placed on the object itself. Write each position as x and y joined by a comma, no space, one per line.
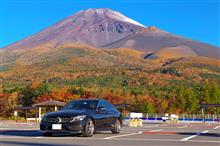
117,139
217,127
4,128
182,126
157,130
123,135
190,137
164,140
150,126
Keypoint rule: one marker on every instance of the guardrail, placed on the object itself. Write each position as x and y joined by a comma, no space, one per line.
182,118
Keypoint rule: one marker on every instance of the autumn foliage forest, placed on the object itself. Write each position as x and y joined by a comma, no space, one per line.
148,86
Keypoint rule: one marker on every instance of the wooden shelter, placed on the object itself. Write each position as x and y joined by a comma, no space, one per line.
49,103
26,110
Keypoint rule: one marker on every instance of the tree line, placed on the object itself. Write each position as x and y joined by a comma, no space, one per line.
174,97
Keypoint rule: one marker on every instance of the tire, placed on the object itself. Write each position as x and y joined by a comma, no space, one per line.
117,127
89,128
47,133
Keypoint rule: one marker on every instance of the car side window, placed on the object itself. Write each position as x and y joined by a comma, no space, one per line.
106,105
102,104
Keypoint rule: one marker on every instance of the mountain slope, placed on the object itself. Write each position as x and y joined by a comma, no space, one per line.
105,28
95,27
150,41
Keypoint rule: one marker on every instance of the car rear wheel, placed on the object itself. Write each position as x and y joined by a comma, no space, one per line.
89,128
47,133
117,127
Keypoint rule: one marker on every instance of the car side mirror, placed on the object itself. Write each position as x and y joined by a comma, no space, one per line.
101,109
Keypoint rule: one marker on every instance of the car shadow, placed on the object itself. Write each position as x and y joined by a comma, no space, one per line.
36,133
18,143
27,133
32,133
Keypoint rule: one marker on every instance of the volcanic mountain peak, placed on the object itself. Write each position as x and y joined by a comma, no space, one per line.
95,27
105,28
108,13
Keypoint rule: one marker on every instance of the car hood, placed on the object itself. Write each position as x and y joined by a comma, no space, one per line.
66,113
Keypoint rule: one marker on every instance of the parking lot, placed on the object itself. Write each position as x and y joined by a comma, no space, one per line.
160,134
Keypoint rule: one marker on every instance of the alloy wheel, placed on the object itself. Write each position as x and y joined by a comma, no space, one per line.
90,127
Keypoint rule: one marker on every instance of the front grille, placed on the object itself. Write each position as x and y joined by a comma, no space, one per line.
65,119
51,120
58,120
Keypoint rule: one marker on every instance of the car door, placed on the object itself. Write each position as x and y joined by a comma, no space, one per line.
104,118
111,115
100,116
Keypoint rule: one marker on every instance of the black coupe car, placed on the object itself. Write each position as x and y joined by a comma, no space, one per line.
83,116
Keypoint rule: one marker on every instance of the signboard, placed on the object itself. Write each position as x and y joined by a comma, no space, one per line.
15,113
136,115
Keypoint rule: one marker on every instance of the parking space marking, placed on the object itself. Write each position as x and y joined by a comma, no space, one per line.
190,137
175,134
123,135
161,133
124,139
182,127
155,130
4,128
118,139
165,140
217,127
150,126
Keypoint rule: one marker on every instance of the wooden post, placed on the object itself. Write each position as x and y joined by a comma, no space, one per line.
39,114
203,115
16,114
26,115
35,115
55,108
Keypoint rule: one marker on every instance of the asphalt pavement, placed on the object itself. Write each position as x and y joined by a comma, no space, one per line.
151,134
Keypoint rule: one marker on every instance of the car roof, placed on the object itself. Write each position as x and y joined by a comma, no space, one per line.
90,99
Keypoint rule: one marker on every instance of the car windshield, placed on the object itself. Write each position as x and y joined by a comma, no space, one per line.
81,104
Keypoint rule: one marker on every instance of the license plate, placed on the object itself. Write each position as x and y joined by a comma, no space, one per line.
56,126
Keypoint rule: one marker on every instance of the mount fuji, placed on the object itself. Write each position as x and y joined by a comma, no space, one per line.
106,29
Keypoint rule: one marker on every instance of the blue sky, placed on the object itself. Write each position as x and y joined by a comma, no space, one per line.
195,19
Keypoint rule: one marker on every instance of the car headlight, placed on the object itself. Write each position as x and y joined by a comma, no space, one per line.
77,118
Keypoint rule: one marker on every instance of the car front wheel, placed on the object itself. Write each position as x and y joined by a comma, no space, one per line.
89,128
117,127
